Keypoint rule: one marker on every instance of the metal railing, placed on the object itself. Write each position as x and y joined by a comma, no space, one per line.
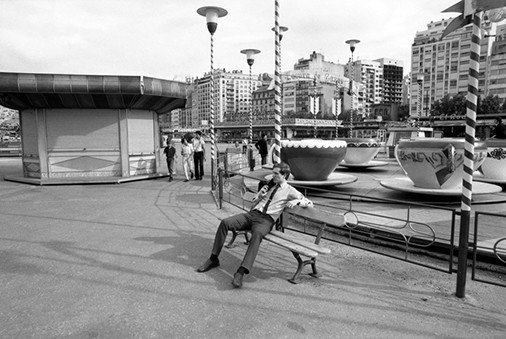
489,250
402,231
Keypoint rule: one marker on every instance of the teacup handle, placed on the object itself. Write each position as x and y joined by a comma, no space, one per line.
449,151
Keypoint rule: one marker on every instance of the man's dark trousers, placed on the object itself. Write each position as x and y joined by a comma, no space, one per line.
198,160
259,224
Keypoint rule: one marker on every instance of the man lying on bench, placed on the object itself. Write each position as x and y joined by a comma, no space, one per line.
268,204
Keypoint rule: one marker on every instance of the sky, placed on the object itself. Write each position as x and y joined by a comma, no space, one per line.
167,39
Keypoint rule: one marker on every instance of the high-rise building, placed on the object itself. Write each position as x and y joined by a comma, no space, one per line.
392,80
495,83
232,95
444,65
370,74
316,64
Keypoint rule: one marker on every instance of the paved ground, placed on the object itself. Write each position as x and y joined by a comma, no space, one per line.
118,261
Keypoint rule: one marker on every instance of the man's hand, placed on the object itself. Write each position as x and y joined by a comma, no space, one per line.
293,203
299,202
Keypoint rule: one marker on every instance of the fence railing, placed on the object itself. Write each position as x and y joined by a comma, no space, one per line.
402,231
488,246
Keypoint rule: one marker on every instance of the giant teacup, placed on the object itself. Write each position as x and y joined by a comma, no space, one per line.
312,159
436,163
494,166
360,150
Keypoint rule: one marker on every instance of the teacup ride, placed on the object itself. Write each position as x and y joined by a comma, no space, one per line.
435,166
360,153
313,161
493,169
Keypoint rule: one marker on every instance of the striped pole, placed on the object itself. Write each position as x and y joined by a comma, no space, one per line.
250,108
351,94
212,14
211,115
467,180
250,59
276,156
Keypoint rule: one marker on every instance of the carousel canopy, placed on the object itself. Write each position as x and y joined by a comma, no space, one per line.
24,91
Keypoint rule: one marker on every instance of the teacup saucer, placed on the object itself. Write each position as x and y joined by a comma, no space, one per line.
333,179
479,177
404,184
372,163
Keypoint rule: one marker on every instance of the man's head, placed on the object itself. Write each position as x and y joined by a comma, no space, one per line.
281,172
498,121
198,134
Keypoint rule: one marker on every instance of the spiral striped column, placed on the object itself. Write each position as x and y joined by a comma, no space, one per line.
467,179
211,115
250,109
351,94
276,156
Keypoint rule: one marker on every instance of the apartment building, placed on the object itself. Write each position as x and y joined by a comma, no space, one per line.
232,95
444,64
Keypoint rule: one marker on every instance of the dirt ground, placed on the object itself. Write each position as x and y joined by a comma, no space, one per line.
432,284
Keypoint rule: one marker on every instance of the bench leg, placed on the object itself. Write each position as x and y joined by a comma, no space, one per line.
315,273
246,238
231,242
234,235
301,263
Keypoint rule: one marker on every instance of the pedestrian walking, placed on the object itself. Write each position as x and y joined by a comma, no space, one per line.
199,155
187,155
170,154
261,146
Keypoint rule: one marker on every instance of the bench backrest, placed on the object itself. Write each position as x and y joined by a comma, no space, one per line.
317,215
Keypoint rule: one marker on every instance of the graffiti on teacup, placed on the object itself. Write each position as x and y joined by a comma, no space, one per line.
435,159
497,154
443,162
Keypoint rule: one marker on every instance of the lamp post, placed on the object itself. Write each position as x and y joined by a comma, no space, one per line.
212,14
250,59
282,29
352,43
419,80
315,96
276,155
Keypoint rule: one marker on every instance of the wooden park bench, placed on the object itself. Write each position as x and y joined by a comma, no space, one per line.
318,219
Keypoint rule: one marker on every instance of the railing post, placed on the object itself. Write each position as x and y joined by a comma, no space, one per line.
220,186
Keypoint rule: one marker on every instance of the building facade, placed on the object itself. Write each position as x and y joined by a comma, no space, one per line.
444,64
232,95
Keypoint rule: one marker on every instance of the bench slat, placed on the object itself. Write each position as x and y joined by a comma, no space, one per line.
317,215
290,245
305,243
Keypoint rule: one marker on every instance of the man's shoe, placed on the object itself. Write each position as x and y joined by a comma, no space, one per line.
186,180
170,179
208,265
237,281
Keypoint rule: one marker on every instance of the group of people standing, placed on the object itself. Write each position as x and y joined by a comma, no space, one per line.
193,153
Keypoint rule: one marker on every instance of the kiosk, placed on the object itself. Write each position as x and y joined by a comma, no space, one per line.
89,128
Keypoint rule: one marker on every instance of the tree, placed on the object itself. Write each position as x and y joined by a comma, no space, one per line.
449,105
489,105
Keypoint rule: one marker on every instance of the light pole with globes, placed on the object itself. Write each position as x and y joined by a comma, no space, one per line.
352,43
316,96
250,59
337,98
212,14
